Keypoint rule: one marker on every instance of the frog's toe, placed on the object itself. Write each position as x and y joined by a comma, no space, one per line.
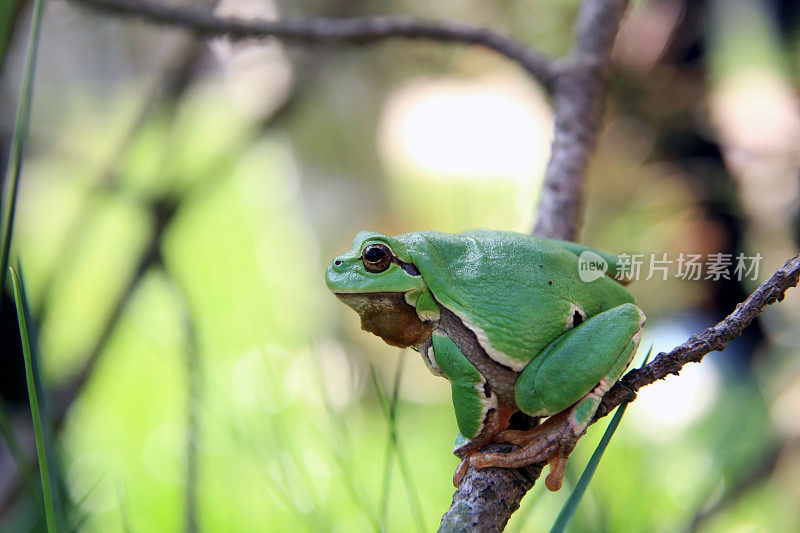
558,466
555,453
518,437
553,442
461,471
527,455
556,428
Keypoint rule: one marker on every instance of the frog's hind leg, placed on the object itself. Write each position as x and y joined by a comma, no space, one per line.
590,357
552,441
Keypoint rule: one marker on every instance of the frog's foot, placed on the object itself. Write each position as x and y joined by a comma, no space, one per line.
496,421
552,441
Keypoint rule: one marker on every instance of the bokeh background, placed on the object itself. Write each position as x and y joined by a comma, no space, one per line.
180,200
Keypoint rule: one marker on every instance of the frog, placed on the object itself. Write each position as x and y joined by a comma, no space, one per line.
510,321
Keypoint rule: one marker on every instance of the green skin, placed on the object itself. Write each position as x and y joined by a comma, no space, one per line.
507,320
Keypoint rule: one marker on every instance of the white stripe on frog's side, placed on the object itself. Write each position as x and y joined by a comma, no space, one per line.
494,354
430,361
489,403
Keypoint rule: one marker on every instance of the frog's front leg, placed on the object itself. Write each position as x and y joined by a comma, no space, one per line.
478,417
568,380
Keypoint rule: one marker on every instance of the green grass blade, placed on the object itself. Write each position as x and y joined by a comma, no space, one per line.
58,485
390,406
33,398
76,524
123,510
280,433
21,122
393,445
343,448
571,505
411,490
19,457
647,357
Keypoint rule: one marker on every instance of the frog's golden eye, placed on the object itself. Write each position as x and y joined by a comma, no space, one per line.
376,257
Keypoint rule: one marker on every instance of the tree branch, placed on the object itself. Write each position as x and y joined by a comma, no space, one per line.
486,499
715,338
329,30
578,96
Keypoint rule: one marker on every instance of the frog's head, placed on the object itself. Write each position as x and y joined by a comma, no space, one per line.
378,280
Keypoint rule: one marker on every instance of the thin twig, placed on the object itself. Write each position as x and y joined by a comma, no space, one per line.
329,30
21,123
194,398
715,338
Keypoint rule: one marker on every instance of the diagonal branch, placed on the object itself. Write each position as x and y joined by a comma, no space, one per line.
330,30
713,339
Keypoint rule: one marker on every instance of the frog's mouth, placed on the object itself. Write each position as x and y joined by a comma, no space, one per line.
389,316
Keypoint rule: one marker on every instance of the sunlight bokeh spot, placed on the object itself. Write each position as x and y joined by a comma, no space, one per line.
667,408
466,153
467,129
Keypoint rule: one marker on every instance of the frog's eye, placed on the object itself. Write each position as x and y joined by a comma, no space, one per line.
376,257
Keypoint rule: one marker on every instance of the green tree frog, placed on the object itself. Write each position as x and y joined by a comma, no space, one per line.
507,319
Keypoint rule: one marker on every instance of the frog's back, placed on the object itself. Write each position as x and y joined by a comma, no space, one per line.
516,292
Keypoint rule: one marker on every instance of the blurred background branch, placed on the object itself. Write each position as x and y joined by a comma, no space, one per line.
322,30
